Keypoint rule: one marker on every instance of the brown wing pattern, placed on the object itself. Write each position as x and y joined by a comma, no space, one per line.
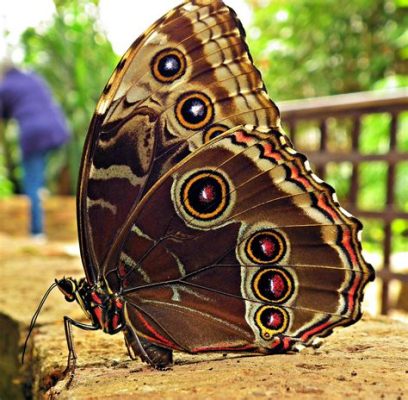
240,246
186,80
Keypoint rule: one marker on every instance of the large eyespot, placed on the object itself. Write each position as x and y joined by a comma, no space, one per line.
271,320
274,285
203,198
266,247
213,131
168,65
205,195
194,110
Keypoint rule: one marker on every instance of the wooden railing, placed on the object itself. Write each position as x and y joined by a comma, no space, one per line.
353,107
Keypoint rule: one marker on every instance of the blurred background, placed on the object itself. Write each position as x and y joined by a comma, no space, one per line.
305,49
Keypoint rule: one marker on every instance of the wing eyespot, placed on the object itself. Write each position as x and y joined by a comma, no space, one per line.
194,110
273,285
205,195
271,321
265,247
213,131
168,65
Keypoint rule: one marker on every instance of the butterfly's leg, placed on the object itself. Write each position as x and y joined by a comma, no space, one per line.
72,357
157,357
133,343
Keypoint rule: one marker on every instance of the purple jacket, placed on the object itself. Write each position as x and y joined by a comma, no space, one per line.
26,98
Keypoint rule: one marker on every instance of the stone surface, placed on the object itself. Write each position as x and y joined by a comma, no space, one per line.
369,360
366,361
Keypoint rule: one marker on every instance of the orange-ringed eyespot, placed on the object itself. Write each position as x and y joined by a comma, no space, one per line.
271,320
168,65
214,131
194,110
265,247
272,284
205,195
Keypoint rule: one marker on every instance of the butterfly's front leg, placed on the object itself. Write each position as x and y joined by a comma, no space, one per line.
72,357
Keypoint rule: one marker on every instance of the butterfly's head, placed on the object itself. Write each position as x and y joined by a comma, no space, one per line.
68,287
76,290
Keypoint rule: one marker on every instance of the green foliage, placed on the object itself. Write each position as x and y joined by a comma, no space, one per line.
373,178
76,59
402,136
399,230
373,235
339,175
6,187
374,136
10,165
309,48
401,195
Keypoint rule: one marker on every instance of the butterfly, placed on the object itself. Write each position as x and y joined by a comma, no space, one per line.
200,227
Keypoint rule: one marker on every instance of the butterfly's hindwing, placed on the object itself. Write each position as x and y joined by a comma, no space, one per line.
274,264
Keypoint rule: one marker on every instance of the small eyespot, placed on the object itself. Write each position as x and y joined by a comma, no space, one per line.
266,247
272,284
194,110
271,320
168,65
205,195
213,131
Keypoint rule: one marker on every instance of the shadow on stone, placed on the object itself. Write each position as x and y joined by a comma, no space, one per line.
12,382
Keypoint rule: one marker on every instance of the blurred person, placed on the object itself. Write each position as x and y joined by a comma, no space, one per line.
25,97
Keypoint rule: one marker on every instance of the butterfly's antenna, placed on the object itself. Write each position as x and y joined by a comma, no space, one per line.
34,318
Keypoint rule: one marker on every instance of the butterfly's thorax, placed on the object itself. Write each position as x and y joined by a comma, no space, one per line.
103,308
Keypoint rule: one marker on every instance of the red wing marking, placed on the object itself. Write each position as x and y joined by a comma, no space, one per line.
346,242
296,175
315,330
270,153
352,292
243,137
161,339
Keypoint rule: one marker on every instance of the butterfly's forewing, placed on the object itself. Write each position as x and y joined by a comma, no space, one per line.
240,246
186,80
